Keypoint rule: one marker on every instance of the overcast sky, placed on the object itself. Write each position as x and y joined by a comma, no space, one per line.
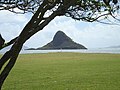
91,35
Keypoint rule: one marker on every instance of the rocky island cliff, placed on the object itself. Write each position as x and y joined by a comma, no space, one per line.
62,41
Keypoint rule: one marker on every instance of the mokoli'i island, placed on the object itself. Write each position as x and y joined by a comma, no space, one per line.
61,41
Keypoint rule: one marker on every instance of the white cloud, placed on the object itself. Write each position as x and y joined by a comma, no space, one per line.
11,24
88,34
9,17
100,35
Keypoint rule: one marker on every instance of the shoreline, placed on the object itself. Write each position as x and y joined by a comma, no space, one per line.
94,51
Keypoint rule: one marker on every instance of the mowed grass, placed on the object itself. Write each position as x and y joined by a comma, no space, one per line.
65,71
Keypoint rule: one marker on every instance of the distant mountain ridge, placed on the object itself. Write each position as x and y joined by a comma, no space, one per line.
62,41
114,46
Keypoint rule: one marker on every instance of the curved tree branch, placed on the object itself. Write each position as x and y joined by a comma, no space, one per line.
8,43
13,53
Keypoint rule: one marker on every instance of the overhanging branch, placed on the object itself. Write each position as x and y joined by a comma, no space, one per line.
8,43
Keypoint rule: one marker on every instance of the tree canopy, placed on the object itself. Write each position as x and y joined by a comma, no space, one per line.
86,10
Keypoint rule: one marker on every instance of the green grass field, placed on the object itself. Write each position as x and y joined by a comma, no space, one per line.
65,71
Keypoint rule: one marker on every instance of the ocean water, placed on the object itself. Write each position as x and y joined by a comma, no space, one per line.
93,50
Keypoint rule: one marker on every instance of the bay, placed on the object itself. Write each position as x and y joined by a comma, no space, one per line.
92,50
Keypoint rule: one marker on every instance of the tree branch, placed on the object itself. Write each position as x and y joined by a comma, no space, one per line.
8,43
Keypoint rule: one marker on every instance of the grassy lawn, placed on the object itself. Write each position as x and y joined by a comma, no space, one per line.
65,71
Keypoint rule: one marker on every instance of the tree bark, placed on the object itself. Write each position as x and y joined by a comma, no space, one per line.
36,24
13,53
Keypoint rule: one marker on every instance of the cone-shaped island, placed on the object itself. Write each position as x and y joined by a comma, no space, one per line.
62,41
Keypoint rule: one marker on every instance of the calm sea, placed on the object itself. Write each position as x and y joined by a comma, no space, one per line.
97,50
100,50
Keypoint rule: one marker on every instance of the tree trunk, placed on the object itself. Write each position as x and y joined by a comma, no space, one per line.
37,23
10,64
13,53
